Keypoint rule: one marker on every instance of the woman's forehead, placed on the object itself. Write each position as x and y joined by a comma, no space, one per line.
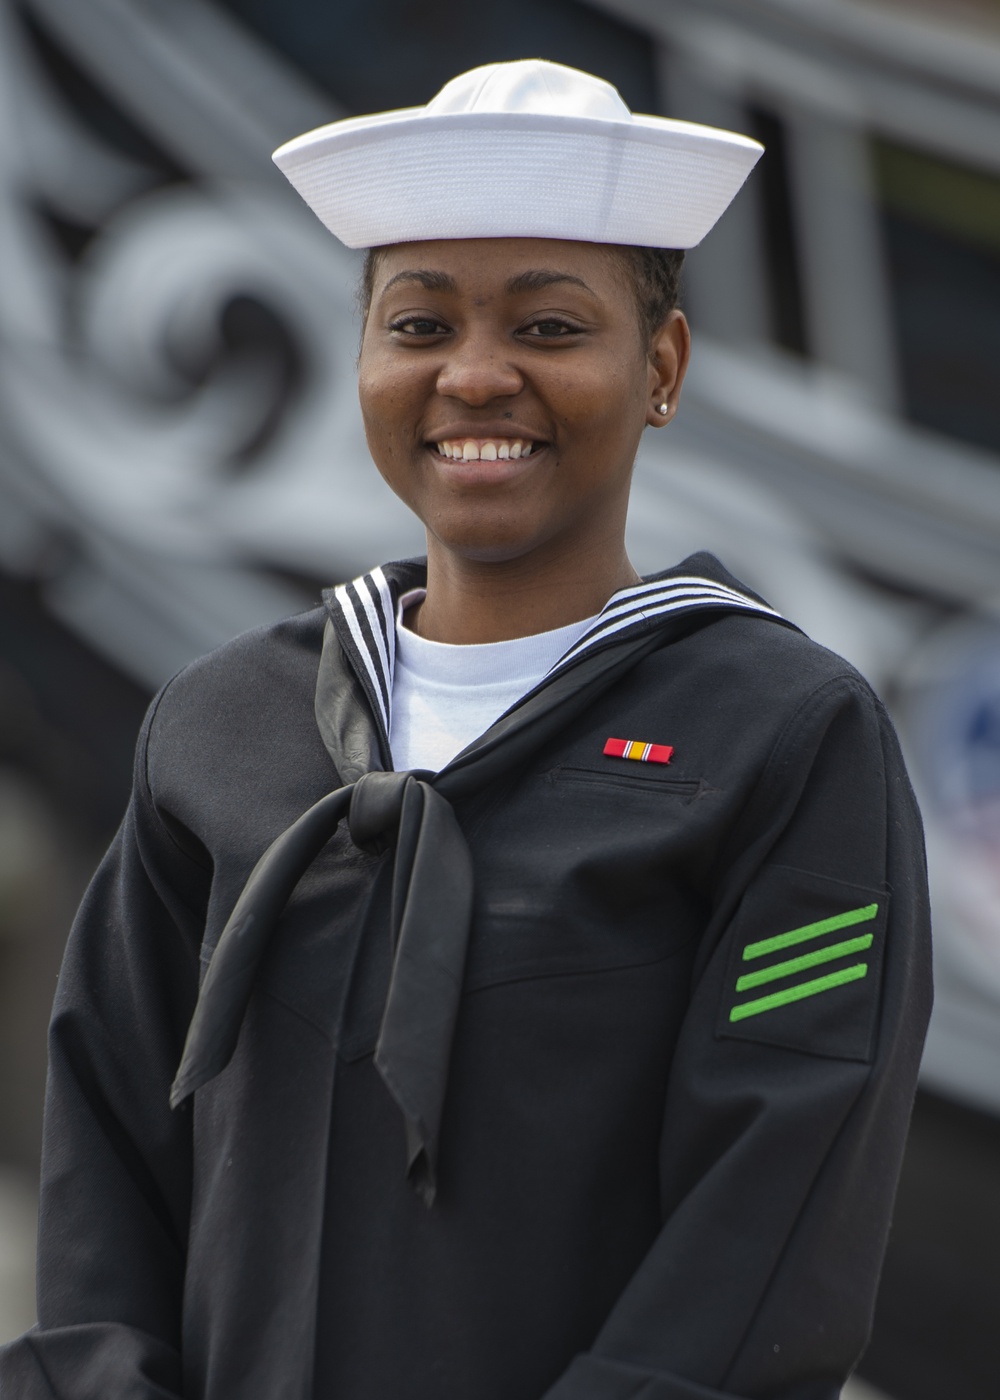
507,263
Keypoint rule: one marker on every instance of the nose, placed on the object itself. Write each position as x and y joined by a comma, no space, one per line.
478,369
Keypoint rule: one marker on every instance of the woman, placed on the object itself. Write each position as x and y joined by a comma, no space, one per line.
563,934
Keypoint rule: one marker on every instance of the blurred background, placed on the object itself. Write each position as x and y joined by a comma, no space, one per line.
181,454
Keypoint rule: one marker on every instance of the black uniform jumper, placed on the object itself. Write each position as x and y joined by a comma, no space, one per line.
552,1074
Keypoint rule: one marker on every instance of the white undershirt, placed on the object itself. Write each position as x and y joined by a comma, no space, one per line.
444,696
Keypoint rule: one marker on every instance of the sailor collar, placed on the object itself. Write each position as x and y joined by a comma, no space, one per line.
363,613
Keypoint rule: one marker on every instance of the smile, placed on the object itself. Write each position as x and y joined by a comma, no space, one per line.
487,449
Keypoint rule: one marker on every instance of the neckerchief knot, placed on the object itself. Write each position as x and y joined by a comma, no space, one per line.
375,809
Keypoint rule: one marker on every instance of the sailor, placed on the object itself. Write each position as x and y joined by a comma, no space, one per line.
509,978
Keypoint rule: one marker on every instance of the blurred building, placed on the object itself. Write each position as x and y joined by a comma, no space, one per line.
181,455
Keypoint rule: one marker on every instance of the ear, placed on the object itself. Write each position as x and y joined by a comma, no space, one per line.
669,353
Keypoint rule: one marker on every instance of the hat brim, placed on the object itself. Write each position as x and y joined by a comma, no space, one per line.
401,177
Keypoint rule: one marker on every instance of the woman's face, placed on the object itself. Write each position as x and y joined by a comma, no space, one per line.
505,383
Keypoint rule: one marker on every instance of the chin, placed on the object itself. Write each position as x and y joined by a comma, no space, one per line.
493,553
486,544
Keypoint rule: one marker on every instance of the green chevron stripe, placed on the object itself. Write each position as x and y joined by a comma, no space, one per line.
804,989
791,965
807,931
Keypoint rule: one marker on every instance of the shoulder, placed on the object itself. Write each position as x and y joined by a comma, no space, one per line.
763,667
259,685
249,670
760,659
744,699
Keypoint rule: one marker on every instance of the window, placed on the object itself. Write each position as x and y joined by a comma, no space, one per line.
941,225
784,279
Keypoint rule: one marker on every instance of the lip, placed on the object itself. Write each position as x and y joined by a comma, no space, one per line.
484,472
451,431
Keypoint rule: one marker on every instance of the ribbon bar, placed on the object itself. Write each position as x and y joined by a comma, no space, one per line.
639,750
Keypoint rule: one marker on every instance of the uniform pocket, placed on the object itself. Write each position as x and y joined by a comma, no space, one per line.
640,781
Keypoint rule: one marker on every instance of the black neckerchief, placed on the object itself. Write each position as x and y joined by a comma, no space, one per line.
432,885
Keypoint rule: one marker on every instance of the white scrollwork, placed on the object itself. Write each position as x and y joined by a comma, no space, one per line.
179,467
147,453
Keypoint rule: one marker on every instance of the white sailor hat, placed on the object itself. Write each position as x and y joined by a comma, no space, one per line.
519,150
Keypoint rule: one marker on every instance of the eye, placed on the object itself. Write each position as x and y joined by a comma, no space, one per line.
550,328
417,327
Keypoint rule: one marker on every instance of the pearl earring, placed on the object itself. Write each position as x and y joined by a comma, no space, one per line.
663,408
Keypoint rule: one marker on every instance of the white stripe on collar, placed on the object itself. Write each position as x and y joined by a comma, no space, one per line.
632,605
371,617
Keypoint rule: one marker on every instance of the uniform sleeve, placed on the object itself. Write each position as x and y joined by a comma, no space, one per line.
792,1085
116,1174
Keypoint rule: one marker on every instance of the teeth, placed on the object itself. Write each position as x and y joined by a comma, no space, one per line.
468,450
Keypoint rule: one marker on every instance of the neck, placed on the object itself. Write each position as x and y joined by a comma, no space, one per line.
470,601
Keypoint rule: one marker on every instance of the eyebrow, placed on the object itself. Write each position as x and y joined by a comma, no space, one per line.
533,280
430,281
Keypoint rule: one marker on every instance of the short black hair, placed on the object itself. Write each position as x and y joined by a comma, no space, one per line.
654,275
